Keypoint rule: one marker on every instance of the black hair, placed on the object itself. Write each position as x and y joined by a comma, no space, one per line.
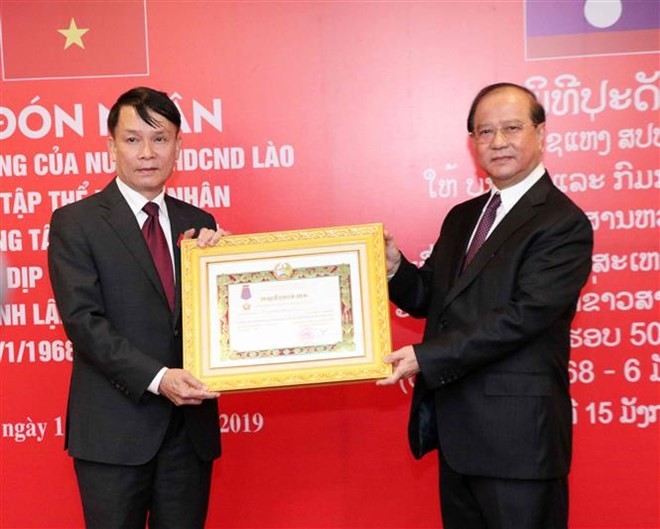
143,100
537,112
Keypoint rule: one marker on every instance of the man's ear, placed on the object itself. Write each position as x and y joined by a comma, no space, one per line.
112,148
178,145
540,132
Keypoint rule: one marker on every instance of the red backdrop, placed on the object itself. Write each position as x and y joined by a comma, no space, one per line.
303,115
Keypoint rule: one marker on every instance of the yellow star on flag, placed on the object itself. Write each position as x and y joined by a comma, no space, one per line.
73,34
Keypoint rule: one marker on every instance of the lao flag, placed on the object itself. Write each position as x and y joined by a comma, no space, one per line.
581,28
73,39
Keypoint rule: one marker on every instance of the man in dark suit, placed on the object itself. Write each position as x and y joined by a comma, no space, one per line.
492,390
142,431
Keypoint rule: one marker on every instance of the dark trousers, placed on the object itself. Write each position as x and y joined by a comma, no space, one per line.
469,502
170,492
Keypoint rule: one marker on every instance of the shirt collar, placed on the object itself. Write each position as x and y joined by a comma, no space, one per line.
136,201
511,195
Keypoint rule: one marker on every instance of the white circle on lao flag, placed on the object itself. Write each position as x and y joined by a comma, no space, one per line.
603,14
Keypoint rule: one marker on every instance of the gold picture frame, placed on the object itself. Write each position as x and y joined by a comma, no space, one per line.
288,308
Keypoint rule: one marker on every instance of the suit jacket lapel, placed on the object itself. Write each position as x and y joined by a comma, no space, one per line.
118,214
522,212
178,224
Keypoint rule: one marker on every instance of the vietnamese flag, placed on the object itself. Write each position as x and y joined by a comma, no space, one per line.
73,39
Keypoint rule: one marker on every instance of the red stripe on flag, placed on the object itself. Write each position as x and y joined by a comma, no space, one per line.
585,44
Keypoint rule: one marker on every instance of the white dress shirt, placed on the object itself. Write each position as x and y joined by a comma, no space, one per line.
510,196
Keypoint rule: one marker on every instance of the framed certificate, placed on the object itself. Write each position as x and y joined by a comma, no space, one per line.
286,308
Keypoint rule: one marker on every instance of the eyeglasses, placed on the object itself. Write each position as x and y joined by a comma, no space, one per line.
511,132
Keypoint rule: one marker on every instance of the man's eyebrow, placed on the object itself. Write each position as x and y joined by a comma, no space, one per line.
153,129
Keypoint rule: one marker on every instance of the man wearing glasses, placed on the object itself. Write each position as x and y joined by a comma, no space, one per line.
498,292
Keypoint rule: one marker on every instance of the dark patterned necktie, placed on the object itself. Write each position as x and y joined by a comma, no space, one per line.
485,224
160,252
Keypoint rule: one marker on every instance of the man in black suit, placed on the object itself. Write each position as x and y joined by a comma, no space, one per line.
492,390
142,431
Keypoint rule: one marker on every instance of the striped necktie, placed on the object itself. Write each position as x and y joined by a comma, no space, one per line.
485,224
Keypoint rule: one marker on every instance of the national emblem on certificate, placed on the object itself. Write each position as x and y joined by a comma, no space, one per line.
286,308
